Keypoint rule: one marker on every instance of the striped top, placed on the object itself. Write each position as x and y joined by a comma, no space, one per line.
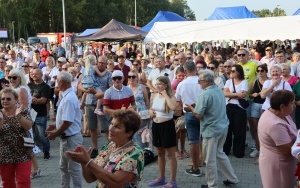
115,98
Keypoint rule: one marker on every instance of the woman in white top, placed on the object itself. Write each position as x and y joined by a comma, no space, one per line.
235,89
276,83
47,78
163,131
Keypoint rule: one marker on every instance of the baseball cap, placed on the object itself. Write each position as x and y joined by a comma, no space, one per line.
117,73
62,59
268,48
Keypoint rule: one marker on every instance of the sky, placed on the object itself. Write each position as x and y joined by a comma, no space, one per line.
203,9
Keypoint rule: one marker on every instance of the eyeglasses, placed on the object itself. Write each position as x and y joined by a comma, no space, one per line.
233,71
243,55
211,68
117,78
6,98
131,77
12,77
175,59
260,70
151,57
25,66
227,66
135,64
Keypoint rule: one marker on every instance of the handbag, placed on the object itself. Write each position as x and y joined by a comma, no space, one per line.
243,102
145,114
26,142
180,123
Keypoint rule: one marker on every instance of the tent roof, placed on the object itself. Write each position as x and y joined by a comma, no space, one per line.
163,16
115,31
234,29
88,32
297,12
238,12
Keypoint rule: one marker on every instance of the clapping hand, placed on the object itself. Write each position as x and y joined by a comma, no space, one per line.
80,155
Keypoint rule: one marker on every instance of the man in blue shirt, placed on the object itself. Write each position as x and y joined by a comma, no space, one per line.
211,110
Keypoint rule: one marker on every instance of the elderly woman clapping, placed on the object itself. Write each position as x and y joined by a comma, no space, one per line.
15,159
120,163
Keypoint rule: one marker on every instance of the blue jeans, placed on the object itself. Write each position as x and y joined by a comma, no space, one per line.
41,124
192,125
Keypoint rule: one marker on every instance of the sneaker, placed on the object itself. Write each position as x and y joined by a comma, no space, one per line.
98,112
192,172
35,174
94,153
46,156
254,153
227,182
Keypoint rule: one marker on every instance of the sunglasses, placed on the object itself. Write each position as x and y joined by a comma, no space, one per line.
25,66
151,57
211,68
131,77
12,77
135,64
243,55
260,70
7,99
117,78
232,71
226,66
175,59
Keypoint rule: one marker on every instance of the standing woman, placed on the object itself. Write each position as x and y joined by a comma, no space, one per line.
46,72
163,131
273,85
25,67
286,74
141,100
234,89
15,160
277,133
256,104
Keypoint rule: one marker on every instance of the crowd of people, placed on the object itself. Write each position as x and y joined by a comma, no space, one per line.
125,93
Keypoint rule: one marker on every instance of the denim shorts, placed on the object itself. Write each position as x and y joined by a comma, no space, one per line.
255,110
192,125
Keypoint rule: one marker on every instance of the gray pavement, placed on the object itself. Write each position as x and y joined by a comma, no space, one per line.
246,170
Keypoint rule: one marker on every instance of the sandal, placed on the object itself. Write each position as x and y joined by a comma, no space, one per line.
157,182
35,174
185,154
173,184
178,155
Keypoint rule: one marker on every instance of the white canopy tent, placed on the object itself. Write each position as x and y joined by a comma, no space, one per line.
271,28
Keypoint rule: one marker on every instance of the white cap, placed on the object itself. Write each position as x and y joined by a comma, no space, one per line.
117,73
62,59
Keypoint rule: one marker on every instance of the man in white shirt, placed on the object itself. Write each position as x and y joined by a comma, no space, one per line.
192,124
13,61
68,128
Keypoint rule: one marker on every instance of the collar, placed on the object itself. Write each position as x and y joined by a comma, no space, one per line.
210,87
66,92
118,89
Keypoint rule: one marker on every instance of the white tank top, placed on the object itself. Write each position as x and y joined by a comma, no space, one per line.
159,107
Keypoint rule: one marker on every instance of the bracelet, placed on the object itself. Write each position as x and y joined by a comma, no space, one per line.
88,162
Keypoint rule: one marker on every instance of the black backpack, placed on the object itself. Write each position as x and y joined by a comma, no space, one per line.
149,156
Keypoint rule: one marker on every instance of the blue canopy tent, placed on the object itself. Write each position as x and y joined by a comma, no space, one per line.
163,16
88,32
224,13
297,12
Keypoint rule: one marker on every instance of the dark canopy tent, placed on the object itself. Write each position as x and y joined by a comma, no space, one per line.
163,16
115,31
297,12
224,13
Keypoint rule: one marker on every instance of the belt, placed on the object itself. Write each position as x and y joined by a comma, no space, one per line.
64,136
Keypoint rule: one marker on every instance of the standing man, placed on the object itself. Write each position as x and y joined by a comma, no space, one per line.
123,67
227,66
211,110
192,124
2,67
103,82
68,128
13,61
40,92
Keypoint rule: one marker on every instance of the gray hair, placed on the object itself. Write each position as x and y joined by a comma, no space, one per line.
189,66
64,76
276,67
207,75
296,54
73,59
159,57
285,65
229,61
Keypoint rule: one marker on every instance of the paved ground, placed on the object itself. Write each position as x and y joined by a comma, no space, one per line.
246,171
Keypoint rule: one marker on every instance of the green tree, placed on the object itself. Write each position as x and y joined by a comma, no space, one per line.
268,13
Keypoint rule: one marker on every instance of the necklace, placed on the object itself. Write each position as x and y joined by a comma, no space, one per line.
117,149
